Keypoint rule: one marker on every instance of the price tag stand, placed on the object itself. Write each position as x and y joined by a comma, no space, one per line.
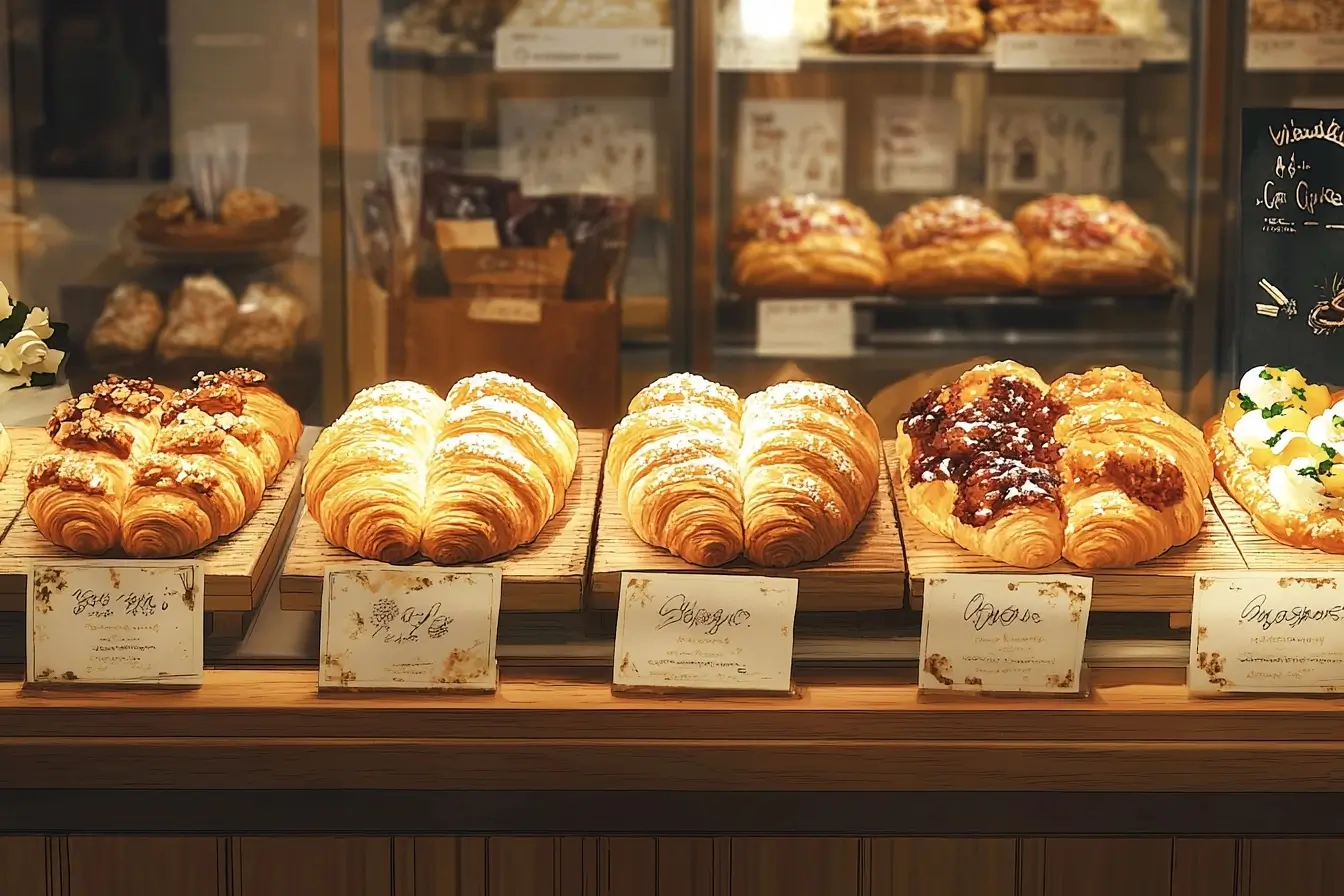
1004,636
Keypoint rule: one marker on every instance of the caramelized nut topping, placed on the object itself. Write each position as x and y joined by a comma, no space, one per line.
72,424
1144,477
238,376
171,471
215,397
70,472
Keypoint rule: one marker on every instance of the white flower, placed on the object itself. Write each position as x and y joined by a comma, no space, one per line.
6,303
37,322
50,364
26,349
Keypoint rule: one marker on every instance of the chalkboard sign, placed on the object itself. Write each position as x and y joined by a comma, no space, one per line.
1290,290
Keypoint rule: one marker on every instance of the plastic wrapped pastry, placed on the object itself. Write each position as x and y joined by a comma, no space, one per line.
266,328
1051,19
955,245
801,245
926,26
199,315
1091,244
131,319
1278,448
589,14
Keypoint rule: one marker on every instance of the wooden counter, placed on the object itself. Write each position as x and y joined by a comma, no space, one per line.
1138,731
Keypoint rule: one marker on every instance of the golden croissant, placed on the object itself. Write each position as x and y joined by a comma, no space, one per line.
405,472
153,473
783,477
1094,468
1278,448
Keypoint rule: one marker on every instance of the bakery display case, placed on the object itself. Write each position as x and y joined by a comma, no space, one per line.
900,186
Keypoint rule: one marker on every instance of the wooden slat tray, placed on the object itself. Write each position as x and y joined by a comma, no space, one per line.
546,576
29,443
1264,553
867,572
238,569
1162,585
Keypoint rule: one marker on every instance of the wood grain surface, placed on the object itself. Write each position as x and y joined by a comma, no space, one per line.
1264,553
1165,584
544,576
866,572
238,569
928,866
142,866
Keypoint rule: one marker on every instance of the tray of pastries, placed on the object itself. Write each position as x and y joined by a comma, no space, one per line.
955,245
807,245
251,224
1278,449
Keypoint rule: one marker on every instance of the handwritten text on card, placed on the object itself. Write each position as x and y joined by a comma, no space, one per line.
417,628
1004,633
1267,632
705,632
113,622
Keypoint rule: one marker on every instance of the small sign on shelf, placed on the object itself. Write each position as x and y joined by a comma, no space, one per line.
1069,52
1268,632
116,623
409,628
740,52
1286,52
805,328
704,632
577,49
994,633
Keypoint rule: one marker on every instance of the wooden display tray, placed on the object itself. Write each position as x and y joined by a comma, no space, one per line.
238,569
1260,552
867,572
1162,585
546,576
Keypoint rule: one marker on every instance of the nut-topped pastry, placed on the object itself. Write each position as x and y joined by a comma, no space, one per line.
128,324
1091,244
955,245
1051,18
917,26
801,245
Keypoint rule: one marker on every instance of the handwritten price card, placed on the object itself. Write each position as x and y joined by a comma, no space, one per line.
805,328
1071,52
790,146
1285,52
386,627
1267,632
705,632
1006,633
116,623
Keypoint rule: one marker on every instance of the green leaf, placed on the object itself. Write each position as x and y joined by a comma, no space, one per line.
1300,393
1310,473
1329,452
1245,401
1266,375
1273,410
42,379
1274,439
1283,369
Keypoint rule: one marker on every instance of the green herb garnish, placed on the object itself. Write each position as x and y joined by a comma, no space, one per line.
1339,423
1266,375
1329,452
1300,393
1273,410
1310,472
1274,439
1283,369
1245,401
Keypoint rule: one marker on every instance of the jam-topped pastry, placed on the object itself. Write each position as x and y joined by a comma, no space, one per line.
1089,244
1094,468
912,26
1278,447
801,245
1050,17
955,245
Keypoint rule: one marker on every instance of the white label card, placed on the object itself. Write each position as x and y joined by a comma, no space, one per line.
790,146
416,628
1073,52
108,622
564,49
1048,145
915,144
593,145
505,311
740,52
1004,633
705,632
1267,632
1283,52
805,328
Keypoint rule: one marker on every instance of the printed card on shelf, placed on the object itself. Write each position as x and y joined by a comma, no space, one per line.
412,628
568,49
1050,145
915,144
739,52
1270,632
705,632
1070,52
1004,633
1285,52
110,622
586,145
790,146
805,328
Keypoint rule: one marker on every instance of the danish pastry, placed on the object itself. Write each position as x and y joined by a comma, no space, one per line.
955,245
800,245
1091,244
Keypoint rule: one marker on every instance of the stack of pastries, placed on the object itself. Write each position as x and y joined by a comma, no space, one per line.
157,474
783,477
1278,448
405,472
955,244
1094,468
807,245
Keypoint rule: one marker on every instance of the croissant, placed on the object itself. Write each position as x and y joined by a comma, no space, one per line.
1095,468
785,487
1278,448
157,474
280,424
403,471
